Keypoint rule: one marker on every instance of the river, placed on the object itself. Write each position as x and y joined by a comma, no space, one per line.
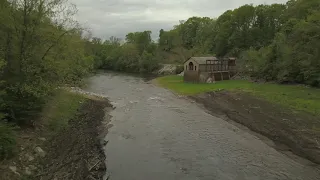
157,135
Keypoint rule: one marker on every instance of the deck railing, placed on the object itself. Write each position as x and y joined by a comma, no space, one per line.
218,66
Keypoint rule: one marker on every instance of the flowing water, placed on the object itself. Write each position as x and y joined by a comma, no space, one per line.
157,135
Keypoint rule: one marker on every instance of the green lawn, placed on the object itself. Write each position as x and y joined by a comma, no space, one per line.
293,96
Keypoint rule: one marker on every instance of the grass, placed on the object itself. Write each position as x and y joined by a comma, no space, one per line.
57,112
7,141
293,96
62,107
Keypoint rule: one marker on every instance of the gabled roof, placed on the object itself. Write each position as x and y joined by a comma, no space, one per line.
202,60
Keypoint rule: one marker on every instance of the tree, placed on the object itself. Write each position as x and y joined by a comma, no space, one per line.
277,42
141,39
42,48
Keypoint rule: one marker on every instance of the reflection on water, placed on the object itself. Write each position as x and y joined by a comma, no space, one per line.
157,135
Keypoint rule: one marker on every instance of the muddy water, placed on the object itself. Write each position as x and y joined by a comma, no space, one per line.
157,135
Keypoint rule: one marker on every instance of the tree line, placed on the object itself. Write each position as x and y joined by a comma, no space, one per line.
139,53
277,42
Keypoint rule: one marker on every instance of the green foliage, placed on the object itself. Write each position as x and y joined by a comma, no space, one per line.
176,84
62,107
41,48
128,59
293,56
179,69
7,141
140,39
292,96
2,93
277,42
138,55
39,54
148,63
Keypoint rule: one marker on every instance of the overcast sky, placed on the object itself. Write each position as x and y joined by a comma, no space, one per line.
107,18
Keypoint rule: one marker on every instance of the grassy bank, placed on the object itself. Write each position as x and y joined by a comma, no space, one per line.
293,96
61,108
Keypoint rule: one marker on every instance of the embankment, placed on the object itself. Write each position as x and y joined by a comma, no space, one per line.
76,152
287,114
66,142
293,131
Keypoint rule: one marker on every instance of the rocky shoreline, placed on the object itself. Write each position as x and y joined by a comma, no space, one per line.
77,152
73,153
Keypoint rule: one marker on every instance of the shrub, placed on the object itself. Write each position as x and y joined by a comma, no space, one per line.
179,69
62,107
7,141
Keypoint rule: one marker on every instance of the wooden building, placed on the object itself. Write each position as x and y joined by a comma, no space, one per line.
209,69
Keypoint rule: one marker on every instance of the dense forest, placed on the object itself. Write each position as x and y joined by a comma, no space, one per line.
42,47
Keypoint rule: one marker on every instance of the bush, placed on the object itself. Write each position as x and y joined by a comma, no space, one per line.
62,107
148,63
179,69
7,141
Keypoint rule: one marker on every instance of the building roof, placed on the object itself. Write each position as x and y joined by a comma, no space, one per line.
202,60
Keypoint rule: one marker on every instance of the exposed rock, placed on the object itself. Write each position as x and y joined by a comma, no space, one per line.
167,69
14,170
42,139
40,152
80,91
29,157
27,171
209,80
181,74
32,167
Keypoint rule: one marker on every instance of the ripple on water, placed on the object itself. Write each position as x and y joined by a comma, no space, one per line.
156,98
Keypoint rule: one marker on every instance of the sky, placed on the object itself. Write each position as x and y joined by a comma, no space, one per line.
106,18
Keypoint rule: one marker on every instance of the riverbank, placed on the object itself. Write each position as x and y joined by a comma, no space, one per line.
288,115
65,142
295,97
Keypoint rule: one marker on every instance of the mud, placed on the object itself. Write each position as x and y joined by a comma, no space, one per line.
76,152
295,132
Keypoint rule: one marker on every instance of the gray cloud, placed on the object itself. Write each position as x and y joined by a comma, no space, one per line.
107,18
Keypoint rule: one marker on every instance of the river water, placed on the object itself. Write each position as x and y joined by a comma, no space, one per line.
157,135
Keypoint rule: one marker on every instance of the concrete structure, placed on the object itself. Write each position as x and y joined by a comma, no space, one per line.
209,69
